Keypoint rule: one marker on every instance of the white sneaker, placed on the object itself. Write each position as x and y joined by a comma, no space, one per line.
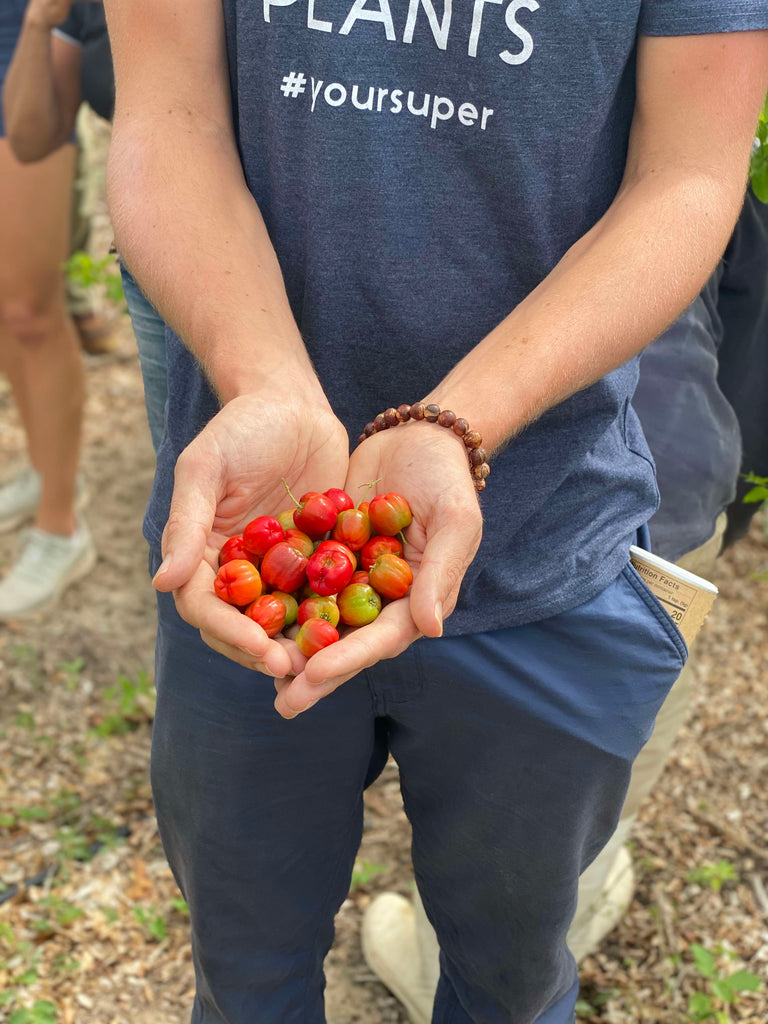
609,908
46,566
392,950
20,497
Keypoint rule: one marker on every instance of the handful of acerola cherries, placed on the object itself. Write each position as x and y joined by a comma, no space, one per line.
318,564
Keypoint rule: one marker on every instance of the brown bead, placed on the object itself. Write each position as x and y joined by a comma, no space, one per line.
477,456
479,485
446,418
431,412
404,412
460,427
473,439
391,417
380,423
417,411
361,438
481,472
369,429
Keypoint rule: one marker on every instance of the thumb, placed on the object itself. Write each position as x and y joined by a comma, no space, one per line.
448,553
190,520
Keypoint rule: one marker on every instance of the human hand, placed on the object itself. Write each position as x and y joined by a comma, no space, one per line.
48,14
429,468
227,476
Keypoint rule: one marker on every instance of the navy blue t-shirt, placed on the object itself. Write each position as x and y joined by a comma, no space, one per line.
690,426
421,166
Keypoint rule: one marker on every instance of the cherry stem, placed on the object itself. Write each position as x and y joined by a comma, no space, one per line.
367,488
290,495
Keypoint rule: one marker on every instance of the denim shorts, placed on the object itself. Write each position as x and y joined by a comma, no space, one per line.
11,19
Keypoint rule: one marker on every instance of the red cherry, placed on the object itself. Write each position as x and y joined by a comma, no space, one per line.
391,576
314,635
339,498
318,608
336,545
261,534
328,572
389,513
238,582
353,528
268,612
284,567
378,546
300,541
234,548
315,515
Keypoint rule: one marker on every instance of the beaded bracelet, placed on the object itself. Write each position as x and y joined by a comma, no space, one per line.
473,442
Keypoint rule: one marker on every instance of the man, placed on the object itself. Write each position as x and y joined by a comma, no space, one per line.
336,207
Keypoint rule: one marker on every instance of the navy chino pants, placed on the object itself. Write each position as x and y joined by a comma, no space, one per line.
514,749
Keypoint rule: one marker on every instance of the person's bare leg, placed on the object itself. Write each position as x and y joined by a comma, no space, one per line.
11,367
42,350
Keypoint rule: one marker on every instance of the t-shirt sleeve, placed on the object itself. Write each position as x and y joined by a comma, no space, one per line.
699,17
72,28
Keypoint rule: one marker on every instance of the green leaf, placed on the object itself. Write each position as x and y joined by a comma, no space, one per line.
43,1012
699,1006
29,977
19,1017
722,990
584,1009
759,493
743,981
705,962
157,929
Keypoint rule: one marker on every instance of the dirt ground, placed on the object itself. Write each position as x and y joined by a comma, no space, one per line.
90,919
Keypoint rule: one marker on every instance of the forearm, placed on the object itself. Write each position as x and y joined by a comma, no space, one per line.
192,235
612,293
31,106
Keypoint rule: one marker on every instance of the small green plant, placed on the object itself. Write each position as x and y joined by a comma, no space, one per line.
72,670
42,1012
589,1007
85,272
722,990
63,963
83,842
62,911
180,905
25,720
713,876
32,813
153,925
760,491
758,168
364,874
133,702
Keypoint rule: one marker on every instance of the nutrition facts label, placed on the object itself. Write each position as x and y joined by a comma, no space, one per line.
687,598
676,596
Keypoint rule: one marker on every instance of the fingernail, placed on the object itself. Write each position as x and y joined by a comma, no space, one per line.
439,616
164,567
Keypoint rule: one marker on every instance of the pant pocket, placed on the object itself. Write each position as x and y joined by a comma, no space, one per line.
667,626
